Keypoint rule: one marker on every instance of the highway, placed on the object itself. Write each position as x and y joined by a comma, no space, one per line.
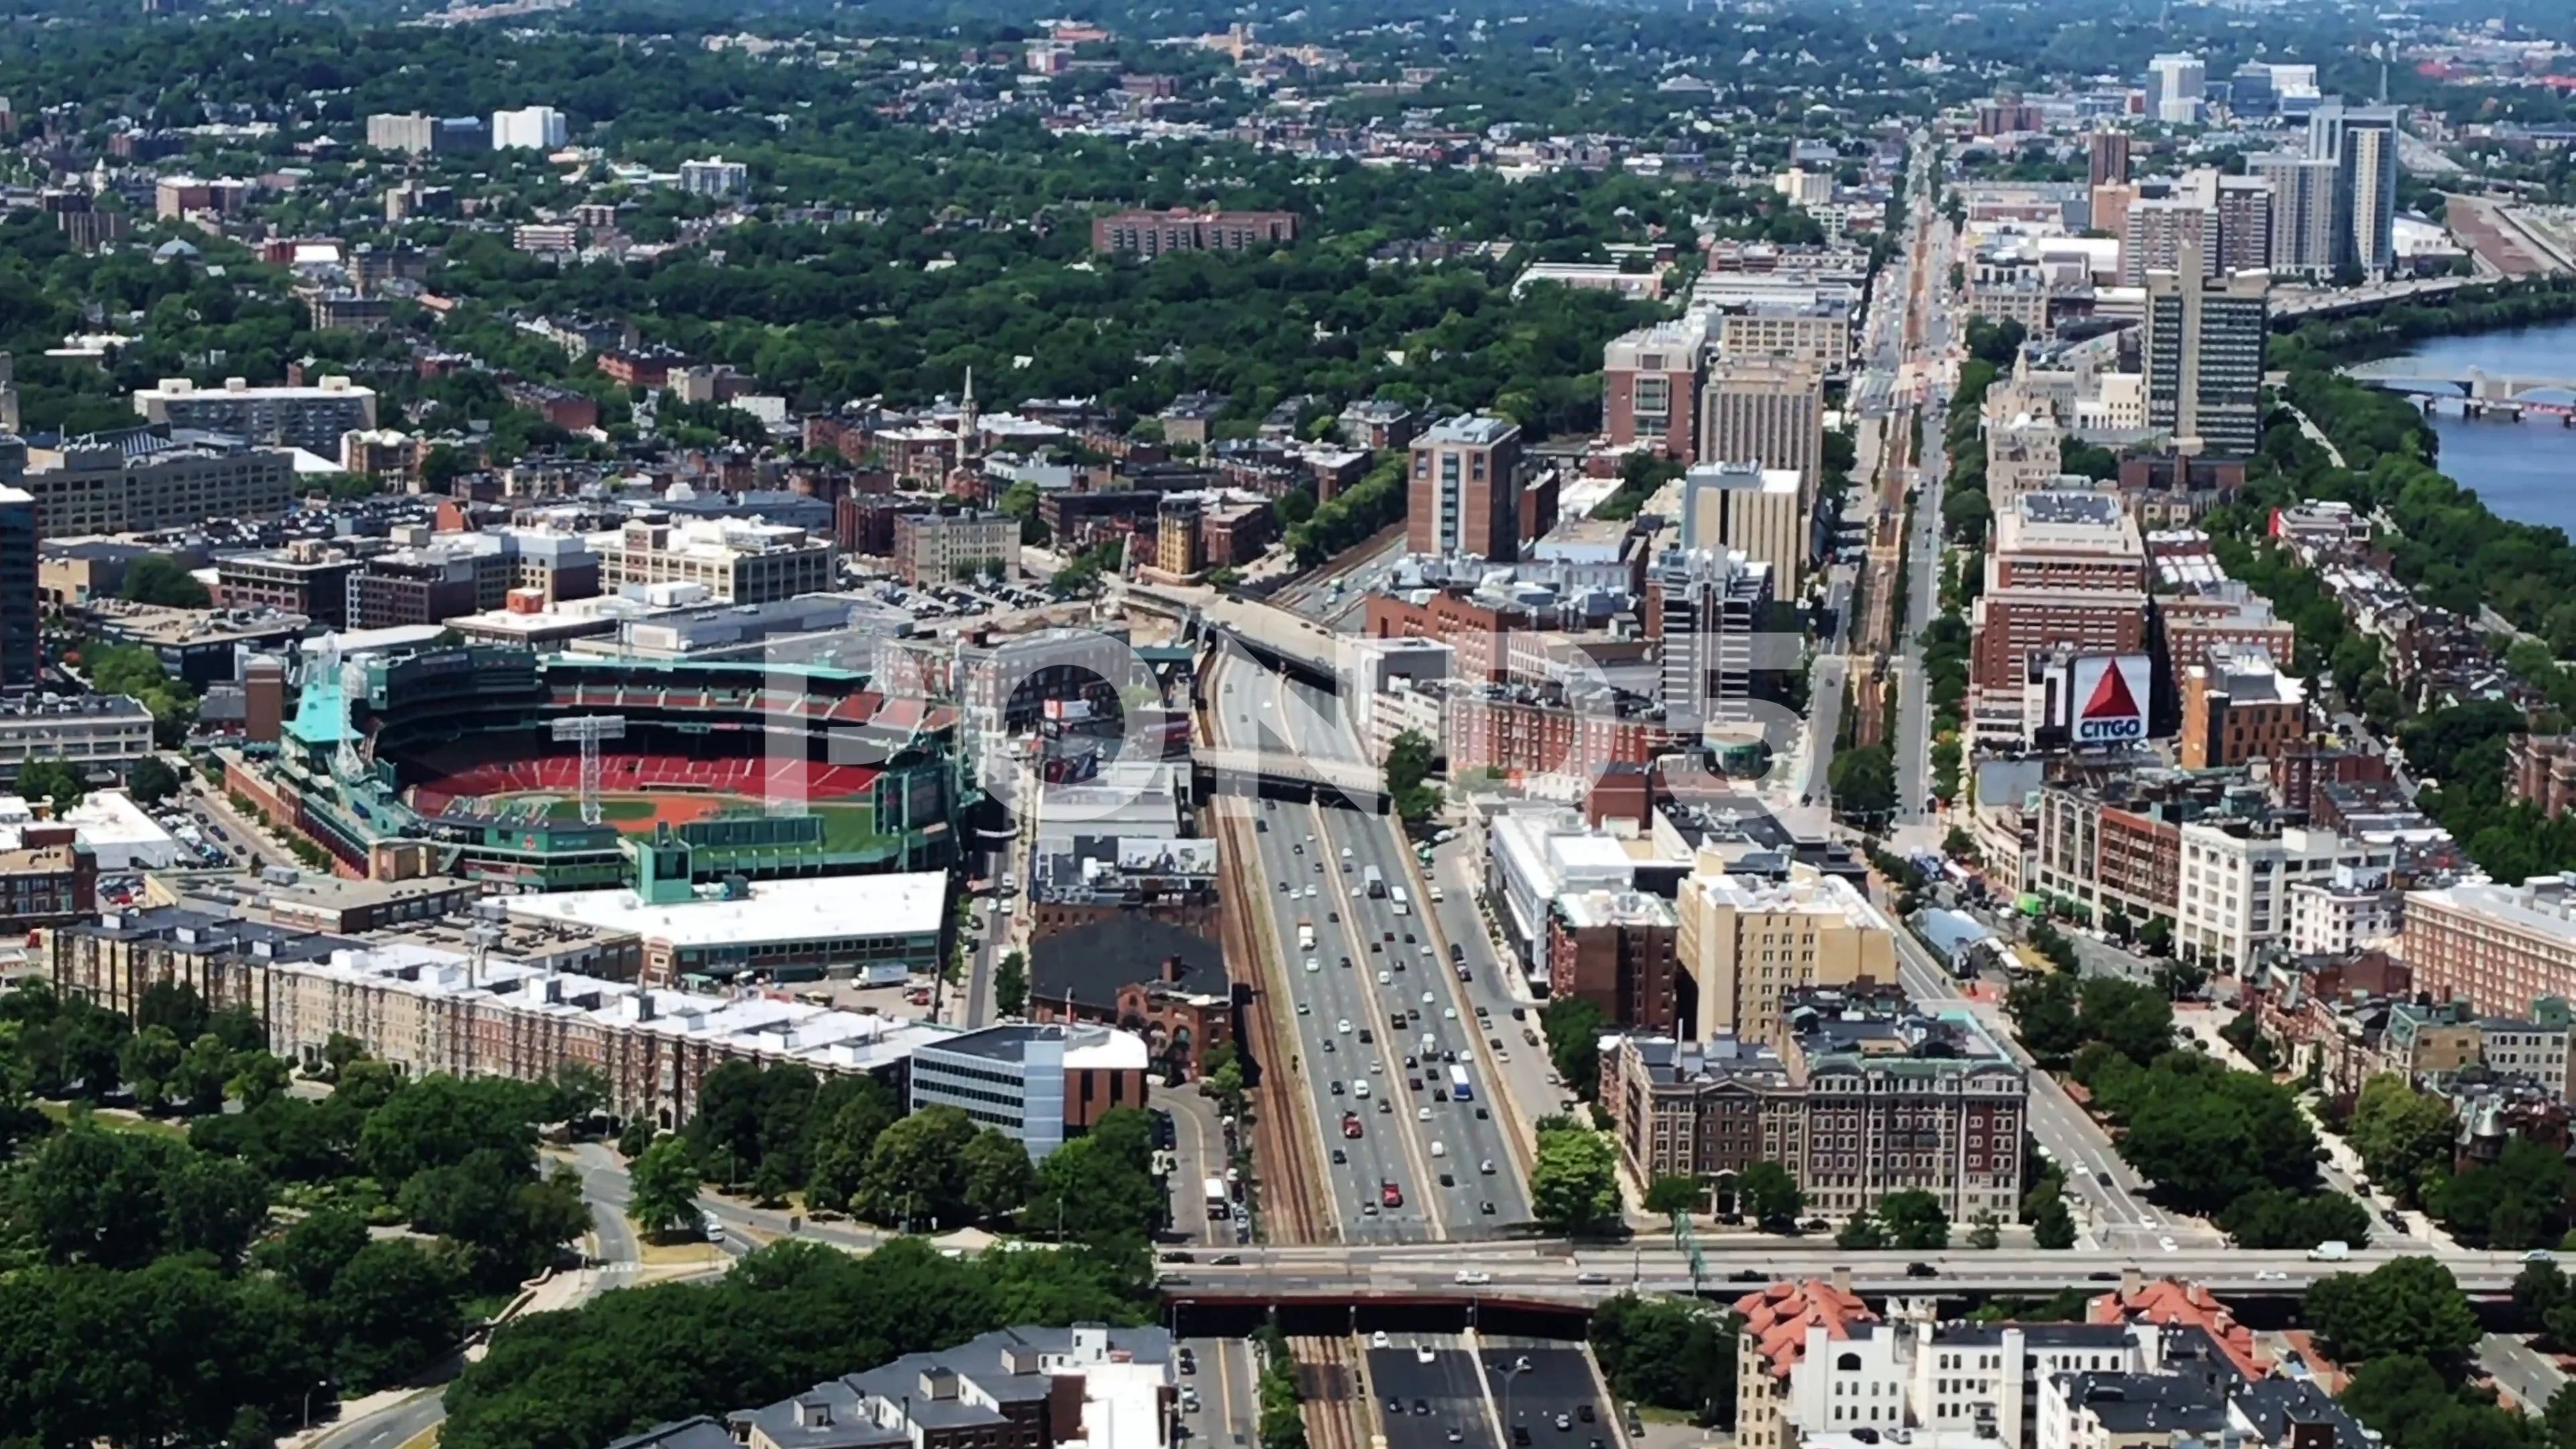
1221,1392
1369,965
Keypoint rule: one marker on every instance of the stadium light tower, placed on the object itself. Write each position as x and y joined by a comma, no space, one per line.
589,730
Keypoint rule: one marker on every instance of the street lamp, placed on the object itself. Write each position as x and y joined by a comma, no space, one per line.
1515,1369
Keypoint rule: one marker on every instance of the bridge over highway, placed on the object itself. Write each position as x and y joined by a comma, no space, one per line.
1552,1275
2473,383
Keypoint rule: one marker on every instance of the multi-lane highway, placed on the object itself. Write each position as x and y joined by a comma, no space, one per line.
1375,1014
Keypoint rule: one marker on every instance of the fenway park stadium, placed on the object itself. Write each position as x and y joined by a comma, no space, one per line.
533,772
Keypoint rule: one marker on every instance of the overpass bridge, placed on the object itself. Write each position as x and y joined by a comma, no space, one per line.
1273,635
2478,389
1221,769
2297,304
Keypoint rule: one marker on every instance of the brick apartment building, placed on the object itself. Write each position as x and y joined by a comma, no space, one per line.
1152,234
2068,572
1615,950
1477,632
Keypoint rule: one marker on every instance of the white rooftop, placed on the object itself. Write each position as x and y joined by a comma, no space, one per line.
775,911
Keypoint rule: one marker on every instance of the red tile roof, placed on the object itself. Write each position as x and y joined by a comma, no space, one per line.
2168,1302
1778,1317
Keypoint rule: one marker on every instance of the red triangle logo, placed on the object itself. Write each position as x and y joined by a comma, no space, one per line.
2111,698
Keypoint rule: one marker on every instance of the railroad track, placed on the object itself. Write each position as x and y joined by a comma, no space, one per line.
1329,1391
1283,1175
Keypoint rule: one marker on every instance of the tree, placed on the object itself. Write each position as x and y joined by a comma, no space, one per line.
151,781
2539,1290
2275,1217
1863,782
258,1078
158,579
2044,1016
1675,1194
1011,984
1766,1193
1574,1181
1914,1220
1672,1353
197,1085
440,1121
999,1177
2406,1307
54,782
2400,1133
393,1310
150,1058
2517,1201
843,1143
916,1170
1988,1234
1573,1026
2053,1228
310,1254
1861,1232
662,1188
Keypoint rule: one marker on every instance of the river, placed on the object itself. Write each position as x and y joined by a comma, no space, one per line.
2525,471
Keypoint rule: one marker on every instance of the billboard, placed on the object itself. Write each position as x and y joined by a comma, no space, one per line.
2104,699
1142,855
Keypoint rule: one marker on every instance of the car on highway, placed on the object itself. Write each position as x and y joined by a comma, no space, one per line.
1360,1090
1921,1270
1341,1158
1564,1421
2271,1275
1390,1195
1342,1027
1486,1167
1421,1114
1351,1126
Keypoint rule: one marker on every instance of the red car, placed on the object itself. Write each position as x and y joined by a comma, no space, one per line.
1390,1196
1350,1124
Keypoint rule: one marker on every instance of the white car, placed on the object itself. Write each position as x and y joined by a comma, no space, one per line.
2271,1275
1421,1114
1304,1010
1449,1013
1385,978
1342,1027
1426,998
1314,965
1360,1090
1310,893
2167,1245
1471,1278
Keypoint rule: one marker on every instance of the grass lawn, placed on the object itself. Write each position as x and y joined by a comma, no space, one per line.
613,809
116,1119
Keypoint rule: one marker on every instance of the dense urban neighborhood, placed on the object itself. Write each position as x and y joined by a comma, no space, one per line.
1632,726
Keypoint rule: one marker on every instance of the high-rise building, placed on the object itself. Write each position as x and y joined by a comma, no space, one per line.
1650,381
2161,229
2108,155
1754,511
532,128
2176,85
1766,411
1704,607
2067,572
2244,206
2204,358
2362,142
17,588
1465,490
2303,211
8,394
